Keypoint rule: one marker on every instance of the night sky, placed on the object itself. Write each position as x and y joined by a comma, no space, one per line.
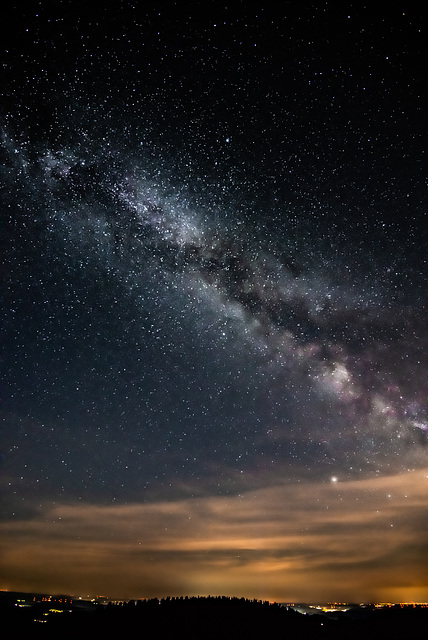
214,337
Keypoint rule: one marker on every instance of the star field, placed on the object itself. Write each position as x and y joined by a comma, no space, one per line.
214,266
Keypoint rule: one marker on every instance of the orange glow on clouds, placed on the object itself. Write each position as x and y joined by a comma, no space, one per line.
361,540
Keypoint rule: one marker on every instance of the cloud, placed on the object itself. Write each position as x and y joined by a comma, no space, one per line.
290,541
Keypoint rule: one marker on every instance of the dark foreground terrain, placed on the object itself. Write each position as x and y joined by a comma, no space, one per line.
26,615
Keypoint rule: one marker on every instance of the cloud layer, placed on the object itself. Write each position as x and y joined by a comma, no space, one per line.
356,539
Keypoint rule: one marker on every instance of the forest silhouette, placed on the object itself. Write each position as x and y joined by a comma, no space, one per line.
207,618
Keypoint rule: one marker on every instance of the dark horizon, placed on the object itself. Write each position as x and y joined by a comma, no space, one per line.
105,599
210,616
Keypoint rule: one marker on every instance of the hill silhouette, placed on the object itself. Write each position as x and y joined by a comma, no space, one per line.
204,617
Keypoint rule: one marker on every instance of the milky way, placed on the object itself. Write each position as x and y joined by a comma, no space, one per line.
294,356
214,255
